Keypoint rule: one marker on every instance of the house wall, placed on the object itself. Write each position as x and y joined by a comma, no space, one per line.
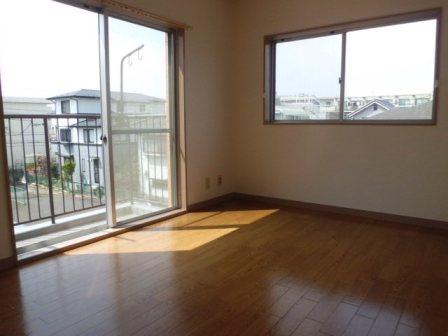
25,108
88,105
393,169
73,106
81,152
17,126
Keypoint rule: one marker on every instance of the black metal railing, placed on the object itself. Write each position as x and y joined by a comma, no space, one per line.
55,164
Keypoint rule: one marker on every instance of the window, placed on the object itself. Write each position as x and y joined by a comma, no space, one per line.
96,170
89,135
65,106
65,135
303,84
377,71
404,102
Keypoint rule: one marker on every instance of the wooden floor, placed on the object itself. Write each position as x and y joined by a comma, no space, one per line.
240,269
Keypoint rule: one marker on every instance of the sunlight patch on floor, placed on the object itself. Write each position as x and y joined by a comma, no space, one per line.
160,241
183,233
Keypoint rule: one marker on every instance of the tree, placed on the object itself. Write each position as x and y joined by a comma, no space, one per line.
55,170
68,169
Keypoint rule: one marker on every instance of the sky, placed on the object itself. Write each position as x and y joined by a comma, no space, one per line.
388,60
48,48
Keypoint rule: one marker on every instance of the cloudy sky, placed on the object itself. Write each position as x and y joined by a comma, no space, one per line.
48,48
380,61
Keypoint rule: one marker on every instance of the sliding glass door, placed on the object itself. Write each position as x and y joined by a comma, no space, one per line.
141,123
77,150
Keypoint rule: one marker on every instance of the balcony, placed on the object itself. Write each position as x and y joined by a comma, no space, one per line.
56,174
56,177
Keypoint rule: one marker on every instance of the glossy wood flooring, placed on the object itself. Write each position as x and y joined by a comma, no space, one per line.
240,269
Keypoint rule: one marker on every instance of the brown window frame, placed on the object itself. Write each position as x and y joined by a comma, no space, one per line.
270,42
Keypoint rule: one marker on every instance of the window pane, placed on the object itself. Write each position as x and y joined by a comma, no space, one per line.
390,72
49,60
139,78
65,106
307,79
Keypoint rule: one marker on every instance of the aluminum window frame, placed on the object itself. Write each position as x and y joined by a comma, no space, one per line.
176,127
271,41
176,72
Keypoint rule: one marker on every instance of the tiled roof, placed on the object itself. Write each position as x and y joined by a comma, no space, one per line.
418,112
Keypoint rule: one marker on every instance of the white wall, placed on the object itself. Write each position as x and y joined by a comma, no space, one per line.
393,169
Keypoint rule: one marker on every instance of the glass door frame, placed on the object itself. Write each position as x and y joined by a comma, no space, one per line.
177,113
175,40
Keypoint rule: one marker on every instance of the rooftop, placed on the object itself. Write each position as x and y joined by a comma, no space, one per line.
95,94
26,100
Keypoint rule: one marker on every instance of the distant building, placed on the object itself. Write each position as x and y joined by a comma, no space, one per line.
300,107
33,132
78,139
24,105
408,100
303,107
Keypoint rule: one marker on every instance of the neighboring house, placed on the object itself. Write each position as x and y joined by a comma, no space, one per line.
370,109
22,131
383,110
418,112
407,100
79,139
88,101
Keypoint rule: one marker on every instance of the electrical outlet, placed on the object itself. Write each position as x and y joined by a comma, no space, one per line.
219,180
207,183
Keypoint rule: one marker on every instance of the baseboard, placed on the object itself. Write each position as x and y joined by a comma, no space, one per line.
210,202
10,262
429,223
7,263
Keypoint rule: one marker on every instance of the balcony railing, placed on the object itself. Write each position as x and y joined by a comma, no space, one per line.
55,165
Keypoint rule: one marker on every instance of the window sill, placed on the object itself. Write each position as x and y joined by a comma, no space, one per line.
355,122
